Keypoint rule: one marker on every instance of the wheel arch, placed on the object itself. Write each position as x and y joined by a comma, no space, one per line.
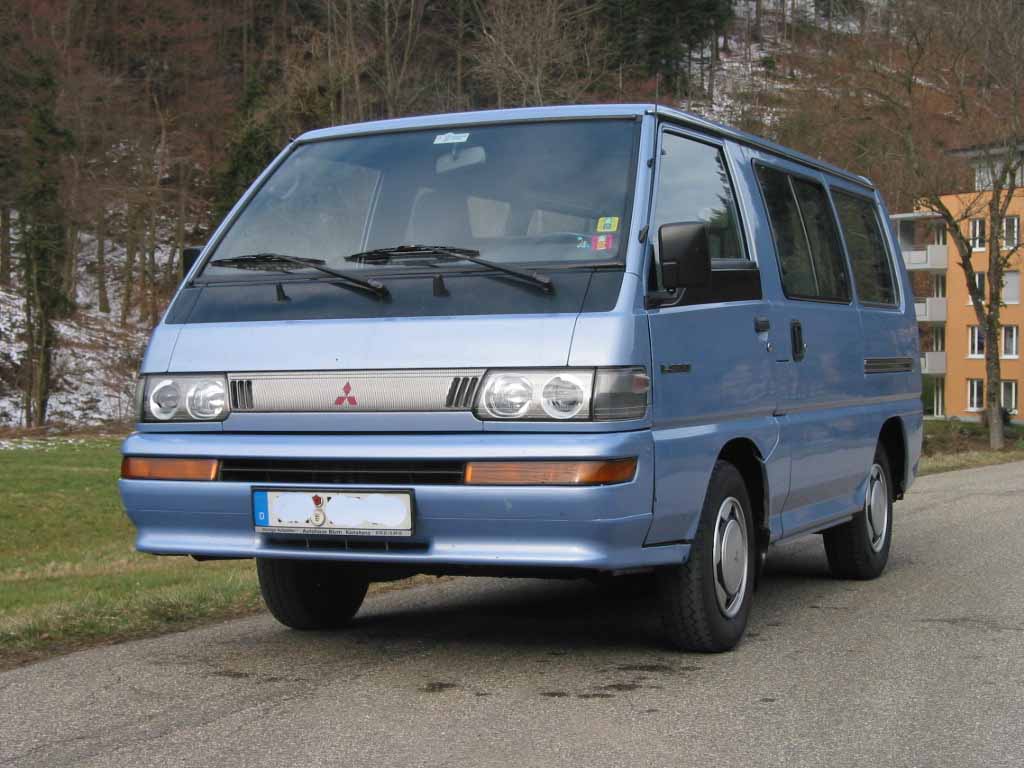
893,439
743,454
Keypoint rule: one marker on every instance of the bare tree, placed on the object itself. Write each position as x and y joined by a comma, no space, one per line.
396,24
540,51
942,97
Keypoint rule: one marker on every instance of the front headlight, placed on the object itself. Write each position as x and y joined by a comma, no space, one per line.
564,394
184,398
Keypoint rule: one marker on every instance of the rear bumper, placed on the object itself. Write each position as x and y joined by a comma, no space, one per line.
598,528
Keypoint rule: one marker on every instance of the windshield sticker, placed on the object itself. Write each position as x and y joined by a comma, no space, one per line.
451,138
608,224
602,242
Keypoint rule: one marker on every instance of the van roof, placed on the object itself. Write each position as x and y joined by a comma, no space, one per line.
580,111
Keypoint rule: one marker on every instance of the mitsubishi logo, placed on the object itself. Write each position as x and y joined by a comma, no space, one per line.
346,398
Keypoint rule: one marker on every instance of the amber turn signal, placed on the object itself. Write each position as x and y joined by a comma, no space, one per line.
550,472
141,468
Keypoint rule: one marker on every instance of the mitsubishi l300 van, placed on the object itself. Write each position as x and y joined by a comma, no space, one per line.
566,341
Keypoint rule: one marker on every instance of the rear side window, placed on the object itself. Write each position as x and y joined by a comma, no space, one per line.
806,238
872,267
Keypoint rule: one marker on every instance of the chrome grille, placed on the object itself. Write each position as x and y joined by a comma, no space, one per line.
355,391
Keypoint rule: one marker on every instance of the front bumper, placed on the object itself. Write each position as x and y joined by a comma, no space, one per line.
598,528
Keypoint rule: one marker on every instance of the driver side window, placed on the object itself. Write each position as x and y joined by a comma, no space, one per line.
694,185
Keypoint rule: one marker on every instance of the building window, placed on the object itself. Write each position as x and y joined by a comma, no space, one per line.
938,338
1009,395
975,394
938,234
1011,287
978,234
979,281
939,398
939,286
975,342
1011,231
1011,341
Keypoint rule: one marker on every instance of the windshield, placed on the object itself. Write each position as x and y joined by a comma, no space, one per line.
552,193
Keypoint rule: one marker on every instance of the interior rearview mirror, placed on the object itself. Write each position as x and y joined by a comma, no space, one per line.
685,253
460,158
189,254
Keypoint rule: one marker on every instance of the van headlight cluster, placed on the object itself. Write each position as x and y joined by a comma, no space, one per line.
564,394
182,398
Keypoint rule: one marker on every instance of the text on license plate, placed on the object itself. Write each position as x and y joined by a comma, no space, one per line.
334,513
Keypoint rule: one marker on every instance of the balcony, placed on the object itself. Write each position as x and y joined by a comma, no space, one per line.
926,258
930,310
933,363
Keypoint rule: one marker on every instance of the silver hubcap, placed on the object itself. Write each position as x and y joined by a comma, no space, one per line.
730,557
876,508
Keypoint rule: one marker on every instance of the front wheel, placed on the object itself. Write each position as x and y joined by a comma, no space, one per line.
859,549
705,602
311,594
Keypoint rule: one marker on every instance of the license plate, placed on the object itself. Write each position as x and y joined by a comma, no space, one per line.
333,513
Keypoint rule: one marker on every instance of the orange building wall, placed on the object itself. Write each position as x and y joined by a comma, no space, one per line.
960,314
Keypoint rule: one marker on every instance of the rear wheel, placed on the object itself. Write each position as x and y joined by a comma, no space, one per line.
859,549
311,594
705,602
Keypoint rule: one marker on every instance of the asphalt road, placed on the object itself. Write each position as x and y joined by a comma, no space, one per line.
924,667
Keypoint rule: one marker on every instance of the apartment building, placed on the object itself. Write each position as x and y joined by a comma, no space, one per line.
952,346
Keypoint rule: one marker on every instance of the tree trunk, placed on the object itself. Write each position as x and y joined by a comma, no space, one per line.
5,246
179,228
993,386
71,264
128,274
714,64
460,32
350,37
993,378
153,276
39,331
103,298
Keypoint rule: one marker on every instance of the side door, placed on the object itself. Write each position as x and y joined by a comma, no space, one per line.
820,406
712,358
891,342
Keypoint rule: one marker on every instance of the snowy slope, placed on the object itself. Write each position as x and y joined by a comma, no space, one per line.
95,361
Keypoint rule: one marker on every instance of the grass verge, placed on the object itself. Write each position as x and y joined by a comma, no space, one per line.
69,576
952,444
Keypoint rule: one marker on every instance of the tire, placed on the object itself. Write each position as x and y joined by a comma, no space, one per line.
697,610
856,549
311,594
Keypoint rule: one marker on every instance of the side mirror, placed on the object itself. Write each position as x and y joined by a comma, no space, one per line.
685,253
189,254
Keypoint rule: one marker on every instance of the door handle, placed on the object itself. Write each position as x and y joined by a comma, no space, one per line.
762,325
796,336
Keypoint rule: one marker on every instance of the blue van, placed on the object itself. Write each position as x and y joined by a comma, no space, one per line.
566,341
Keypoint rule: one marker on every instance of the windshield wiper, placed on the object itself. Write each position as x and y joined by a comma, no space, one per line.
263,260
385,255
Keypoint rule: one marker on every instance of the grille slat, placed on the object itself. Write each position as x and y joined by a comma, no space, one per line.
460,393
471,391
241,394
450,400
331,472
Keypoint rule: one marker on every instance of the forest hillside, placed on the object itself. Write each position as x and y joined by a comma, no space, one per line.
130,127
